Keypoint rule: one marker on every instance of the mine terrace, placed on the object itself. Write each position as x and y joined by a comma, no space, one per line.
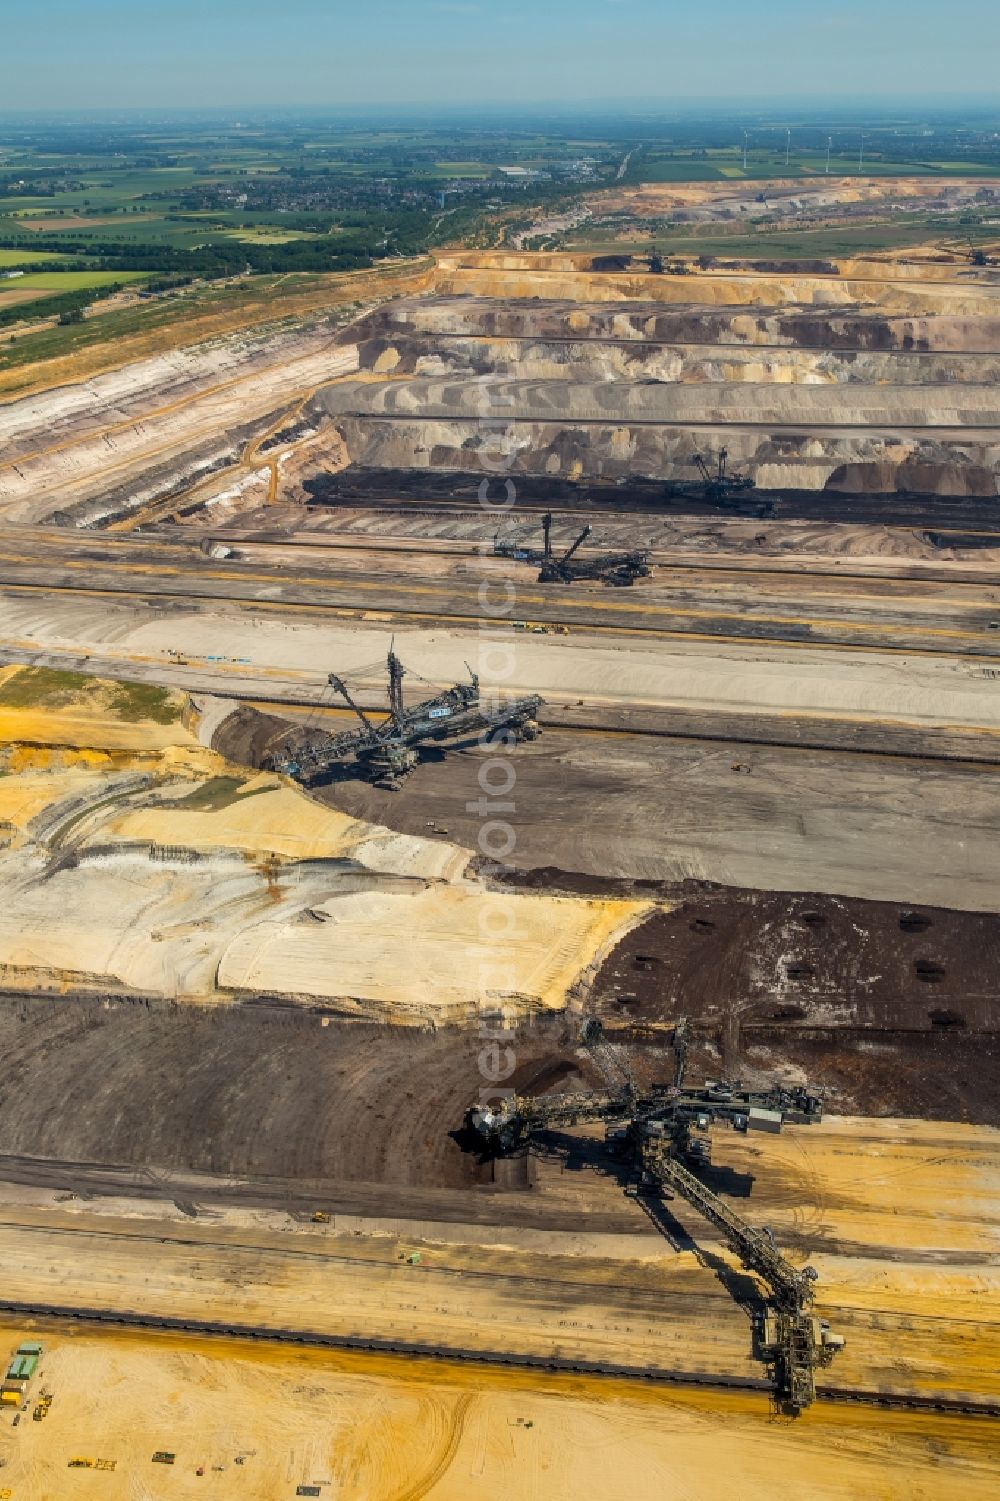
254,1013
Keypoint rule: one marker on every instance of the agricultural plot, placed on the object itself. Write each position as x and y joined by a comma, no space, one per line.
48,282
27,258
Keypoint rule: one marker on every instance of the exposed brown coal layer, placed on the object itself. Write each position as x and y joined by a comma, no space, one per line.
390,488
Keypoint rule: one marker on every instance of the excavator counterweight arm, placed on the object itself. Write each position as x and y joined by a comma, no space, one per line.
791,1290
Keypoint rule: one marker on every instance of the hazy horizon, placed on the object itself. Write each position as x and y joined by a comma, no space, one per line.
110,55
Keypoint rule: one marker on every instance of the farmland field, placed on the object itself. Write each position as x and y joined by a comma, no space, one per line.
782,243
70,281
24,257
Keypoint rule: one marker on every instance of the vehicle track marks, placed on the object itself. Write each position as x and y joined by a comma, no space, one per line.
442,1462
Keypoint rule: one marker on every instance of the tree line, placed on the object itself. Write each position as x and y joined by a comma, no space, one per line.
212,260
62,305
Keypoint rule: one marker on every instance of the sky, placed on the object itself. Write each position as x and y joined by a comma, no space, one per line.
271,54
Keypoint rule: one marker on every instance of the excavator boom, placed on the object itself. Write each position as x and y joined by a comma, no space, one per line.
703,468
506,1126
571,549
659,1131
341,687
791,1290
396,674
791,1339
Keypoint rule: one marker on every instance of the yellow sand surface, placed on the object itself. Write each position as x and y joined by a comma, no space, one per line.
894,1183
454,946
280,820
820,194
900,1219
368,1429
735,289
195,903
889,282
77,727
914,1320
23,795
84,716
194,880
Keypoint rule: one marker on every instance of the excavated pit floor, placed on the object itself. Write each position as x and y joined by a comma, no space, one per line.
819,916
377,1427
741,815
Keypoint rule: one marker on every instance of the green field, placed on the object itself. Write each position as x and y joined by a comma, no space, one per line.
461,169
267,234
34,687
653,163
51,688
53,282
24,257
138,701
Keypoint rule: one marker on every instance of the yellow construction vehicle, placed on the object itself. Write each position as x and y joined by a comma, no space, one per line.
541,628
320,1217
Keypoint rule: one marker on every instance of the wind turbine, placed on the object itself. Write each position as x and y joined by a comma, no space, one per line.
745,134
829,143
861,152
788,145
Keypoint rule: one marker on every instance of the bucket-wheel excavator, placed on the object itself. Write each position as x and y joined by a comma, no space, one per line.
386,749
662,1135
616,569
979,257
722,484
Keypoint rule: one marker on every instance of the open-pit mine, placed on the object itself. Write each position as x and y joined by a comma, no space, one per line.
499,810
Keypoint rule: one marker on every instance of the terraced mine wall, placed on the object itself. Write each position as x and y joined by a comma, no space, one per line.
900,292
846,197
877,380
612,450
652,321
698,362
667,403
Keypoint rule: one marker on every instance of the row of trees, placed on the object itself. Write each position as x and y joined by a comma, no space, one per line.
66,306
221,259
